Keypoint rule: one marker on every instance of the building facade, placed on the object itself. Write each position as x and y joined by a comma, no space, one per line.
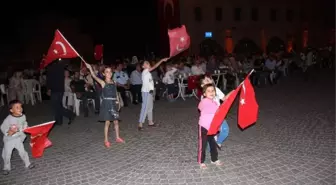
256,20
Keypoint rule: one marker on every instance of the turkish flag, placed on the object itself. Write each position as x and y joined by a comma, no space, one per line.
98,54
59,48
179,40
39,138
222,112
248,106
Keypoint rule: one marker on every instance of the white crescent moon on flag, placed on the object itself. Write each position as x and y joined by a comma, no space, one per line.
171,4
62,46
178,48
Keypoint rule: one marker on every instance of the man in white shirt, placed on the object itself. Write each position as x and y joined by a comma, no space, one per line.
122,81
197,68
183,70
271,66
136,84
147,91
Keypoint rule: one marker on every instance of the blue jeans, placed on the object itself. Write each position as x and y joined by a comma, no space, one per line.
223,133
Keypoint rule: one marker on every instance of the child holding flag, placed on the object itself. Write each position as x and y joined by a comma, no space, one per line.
109,107
208,107
12,128
224,130
147,92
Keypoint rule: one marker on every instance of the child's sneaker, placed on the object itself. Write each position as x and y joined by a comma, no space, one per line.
203,166
5,172
31,166
217,163
119,140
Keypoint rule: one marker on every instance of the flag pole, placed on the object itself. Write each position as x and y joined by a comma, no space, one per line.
247,75
258,126
72,47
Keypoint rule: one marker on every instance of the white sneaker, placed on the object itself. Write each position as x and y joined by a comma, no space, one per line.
217,163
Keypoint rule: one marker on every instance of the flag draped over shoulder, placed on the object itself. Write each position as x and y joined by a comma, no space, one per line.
59,48
179,40
222,112
39,138
247,109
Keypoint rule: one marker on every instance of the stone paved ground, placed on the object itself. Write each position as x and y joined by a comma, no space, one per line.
293,143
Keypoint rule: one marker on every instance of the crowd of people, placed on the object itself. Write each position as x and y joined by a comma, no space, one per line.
110,87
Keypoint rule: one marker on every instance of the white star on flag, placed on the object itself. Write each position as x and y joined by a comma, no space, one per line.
242,102
182,39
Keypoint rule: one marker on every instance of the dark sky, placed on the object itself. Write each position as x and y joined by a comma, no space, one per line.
123,28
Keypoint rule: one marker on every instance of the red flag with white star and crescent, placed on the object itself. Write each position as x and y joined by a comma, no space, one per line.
179,40
59,48
222,111
247,109
248,106
39,138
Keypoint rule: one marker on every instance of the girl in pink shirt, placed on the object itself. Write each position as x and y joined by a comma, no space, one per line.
208,107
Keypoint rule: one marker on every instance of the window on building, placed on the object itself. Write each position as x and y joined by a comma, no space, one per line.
273,15
237,14
255,14
198,14
219,14
289,15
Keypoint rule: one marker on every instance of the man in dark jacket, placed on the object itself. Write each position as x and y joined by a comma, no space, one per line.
55,85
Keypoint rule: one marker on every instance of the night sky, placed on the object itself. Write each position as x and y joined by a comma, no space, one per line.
125,29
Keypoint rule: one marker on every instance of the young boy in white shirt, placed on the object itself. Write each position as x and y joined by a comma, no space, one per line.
12,128
147,92
169,80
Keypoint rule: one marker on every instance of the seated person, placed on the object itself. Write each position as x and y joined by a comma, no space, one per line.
79,87
182,69
197,68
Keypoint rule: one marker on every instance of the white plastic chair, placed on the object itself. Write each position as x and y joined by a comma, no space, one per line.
37,91
4,91
30,90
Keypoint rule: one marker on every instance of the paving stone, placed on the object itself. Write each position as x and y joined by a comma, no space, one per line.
293,142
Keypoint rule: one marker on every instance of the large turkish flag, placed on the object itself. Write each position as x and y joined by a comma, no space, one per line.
59,48
39,138
179,40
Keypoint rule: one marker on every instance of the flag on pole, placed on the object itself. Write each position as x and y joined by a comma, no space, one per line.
222,112
248,106
59,48
179,40
247,111
39,138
